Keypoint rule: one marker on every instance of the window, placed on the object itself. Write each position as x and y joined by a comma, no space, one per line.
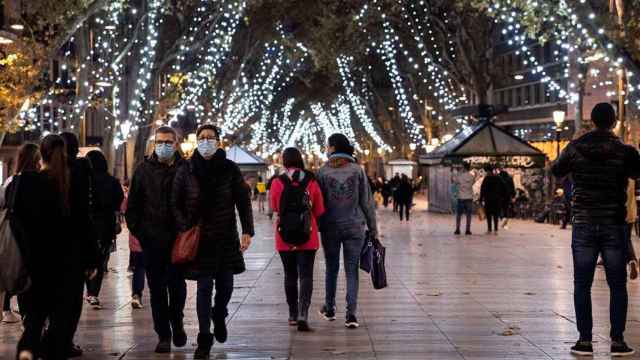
536,93
518,96
527,95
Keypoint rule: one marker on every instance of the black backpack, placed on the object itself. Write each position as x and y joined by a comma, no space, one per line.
295,221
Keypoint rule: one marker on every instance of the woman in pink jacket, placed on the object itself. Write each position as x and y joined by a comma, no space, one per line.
296,197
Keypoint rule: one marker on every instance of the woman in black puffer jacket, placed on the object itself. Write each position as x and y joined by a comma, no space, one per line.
207,191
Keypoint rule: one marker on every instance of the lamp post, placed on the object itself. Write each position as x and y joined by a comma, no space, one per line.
558,118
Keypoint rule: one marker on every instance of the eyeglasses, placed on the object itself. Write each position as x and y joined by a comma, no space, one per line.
165,142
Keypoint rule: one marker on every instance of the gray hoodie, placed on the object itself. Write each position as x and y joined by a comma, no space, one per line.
347,194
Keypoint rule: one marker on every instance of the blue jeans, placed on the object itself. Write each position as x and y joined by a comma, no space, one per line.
465,206
224,289
351,238
609,241
137,282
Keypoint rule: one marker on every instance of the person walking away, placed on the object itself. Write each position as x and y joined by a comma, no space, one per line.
81,206
150,219
395,182
510,194
261,188
600,166
631,219
28,160
297,198
454,190
386,192
405,197
107,203
136,263
269,183
206,193
464,181
349,208
42,211
492,195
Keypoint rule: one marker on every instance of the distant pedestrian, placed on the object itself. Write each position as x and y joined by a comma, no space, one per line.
349,207
405,197
510,194
296,197
207,191
269,184
394,183
386,193
151,220
136,264
492,196
567,187
464,181
107,203
261,189
601,166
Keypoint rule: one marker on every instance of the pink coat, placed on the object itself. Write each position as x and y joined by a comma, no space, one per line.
317,203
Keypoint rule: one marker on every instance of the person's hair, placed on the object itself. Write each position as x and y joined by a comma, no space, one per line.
341,143
488,168
466,166
167,130
603,116
54,155
28,158
260,178
292,158
73,145
208,127
98,161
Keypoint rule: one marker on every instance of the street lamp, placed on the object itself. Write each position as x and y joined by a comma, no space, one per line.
558,118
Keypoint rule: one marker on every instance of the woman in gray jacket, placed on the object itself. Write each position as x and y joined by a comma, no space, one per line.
350,210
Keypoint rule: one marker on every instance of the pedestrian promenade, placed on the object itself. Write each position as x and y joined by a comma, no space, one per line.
473,297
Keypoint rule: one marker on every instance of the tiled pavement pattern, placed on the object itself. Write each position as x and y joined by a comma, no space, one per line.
477,297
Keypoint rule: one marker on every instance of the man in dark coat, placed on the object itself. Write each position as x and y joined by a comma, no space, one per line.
492,194
600,166
151,221
81,195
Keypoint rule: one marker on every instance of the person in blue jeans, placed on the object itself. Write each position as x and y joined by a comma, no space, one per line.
600,166
350,211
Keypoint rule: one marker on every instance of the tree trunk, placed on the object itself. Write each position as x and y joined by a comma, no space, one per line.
83,88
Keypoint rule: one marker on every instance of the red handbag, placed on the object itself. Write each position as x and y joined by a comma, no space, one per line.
186,247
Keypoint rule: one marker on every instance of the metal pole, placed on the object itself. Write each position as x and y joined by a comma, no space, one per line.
126,170
557,144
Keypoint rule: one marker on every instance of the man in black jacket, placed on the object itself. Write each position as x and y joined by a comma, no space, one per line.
81,195
600,165
150,220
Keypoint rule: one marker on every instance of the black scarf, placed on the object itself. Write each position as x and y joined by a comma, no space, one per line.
207,172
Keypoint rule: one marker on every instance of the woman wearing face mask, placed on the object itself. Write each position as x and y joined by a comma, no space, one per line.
207,193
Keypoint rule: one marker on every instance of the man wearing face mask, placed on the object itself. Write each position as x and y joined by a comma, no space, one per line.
207,192
150,219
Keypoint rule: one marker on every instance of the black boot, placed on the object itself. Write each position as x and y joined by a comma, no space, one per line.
303,318
205,342
219,325
179,335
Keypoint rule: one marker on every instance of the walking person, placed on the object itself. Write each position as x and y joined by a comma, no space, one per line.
150,219
297,199
41,205
510,194
107,203
136,263
600,166
207,191
464,181
28,161
492,195
81,207
261,189
405,197
567,186
386,193
349,212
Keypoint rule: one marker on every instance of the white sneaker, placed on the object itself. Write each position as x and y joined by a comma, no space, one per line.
9,317
94,302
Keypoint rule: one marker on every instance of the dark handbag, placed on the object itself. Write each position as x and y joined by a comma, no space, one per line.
186,247
372,260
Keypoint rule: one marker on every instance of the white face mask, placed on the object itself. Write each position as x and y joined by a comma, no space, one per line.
207,147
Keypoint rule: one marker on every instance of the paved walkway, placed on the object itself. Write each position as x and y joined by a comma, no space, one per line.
476,297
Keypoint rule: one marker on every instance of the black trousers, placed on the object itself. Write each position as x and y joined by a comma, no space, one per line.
298,267
404,209
58,298
95,285
167,290
493,215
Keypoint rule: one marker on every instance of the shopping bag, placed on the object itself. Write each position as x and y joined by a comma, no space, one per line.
186,247
481,214
372,260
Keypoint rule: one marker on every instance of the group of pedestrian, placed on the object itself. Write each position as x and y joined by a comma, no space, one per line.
399,191
497,194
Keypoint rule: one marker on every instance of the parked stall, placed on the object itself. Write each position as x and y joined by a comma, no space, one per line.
479,145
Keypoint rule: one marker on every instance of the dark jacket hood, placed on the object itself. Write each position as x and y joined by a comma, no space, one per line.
598,145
